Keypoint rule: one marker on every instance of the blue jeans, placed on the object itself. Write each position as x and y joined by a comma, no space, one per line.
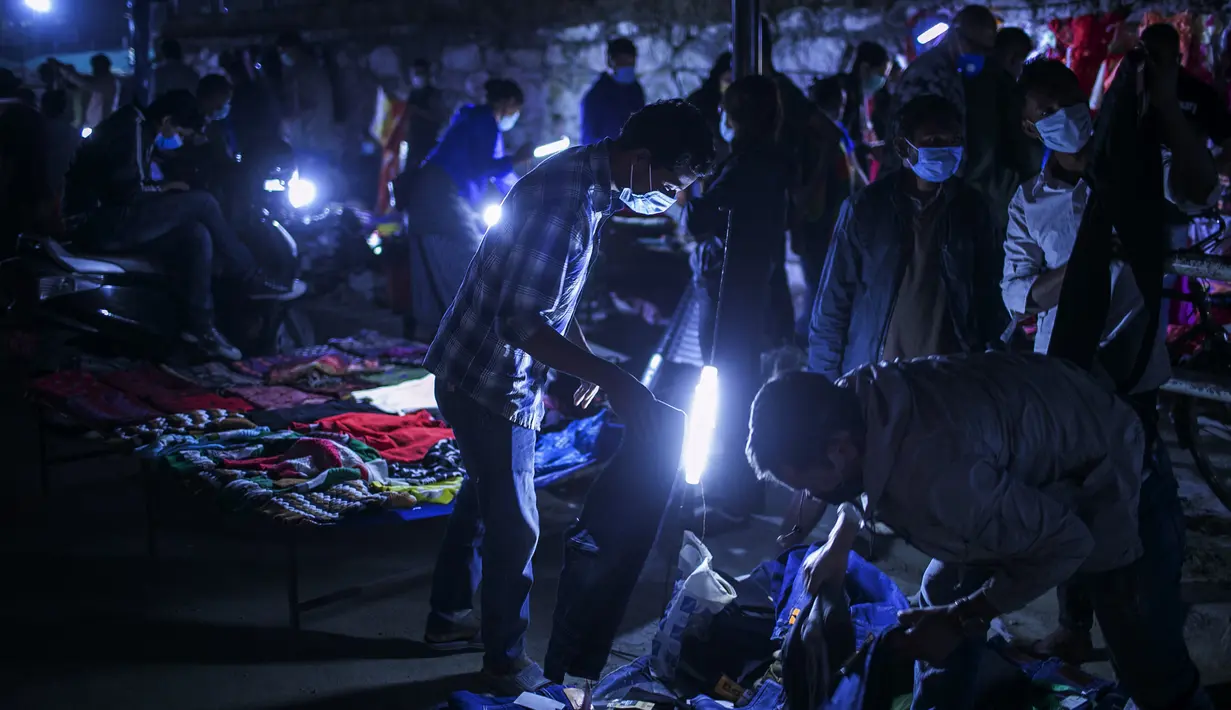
1138,608
495,524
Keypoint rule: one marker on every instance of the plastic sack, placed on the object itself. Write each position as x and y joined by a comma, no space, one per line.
699,594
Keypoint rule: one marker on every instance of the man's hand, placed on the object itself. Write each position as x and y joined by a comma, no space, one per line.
174,186
632,400
825,565
524,154
585,394
932,634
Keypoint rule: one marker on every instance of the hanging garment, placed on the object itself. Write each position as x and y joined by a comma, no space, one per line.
606,548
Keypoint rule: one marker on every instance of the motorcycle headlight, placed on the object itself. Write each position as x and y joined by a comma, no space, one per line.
300,192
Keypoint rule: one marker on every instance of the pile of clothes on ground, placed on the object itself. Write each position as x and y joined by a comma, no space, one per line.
312,436
761,641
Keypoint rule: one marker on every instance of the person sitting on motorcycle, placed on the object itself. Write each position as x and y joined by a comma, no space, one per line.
115,181
444,197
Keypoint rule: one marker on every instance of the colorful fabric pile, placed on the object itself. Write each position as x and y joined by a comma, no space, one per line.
312,436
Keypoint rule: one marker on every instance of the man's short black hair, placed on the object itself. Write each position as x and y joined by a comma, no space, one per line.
172,50
975,16
180,106
924,110
676,134
794,418
1049,77
1012,41
100,62
212,85
422,65
621,47
1163,36
871,54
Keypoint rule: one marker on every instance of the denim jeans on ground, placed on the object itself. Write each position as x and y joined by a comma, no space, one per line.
1138,608
494,528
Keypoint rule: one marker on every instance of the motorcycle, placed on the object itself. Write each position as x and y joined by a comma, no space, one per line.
126,301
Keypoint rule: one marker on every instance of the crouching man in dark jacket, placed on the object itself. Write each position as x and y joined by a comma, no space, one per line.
1015,473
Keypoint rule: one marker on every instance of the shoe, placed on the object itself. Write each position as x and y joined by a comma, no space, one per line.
261,289
1072,647
211,342
453,635
523,676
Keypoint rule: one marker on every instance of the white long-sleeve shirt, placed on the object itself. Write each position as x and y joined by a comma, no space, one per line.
1044,217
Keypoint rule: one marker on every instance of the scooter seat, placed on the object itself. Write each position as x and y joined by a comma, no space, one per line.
97,263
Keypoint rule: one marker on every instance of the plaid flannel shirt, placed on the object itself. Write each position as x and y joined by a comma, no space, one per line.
530,270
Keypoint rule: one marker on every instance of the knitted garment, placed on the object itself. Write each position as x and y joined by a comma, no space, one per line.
370,344
168,392
86,400
404,439
193,423
212,376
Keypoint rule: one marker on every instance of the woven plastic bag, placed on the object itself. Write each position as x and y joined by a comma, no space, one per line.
699,594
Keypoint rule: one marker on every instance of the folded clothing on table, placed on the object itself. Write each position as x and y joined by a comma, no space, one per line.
170,393
370,344
260,367
404,439
89,401
186,424
277,396
213,376
283,418
410,396
327,373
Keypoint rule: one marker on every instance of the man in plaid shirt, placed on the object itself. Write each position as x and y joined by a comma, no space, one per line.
510,322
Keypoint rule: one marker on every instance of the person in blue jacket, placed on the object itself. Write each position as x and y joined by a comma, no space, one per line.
444,199
615,95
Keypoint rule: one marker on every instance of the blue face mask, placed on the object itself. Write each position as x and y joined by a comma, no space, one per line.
725,129
969,65
172,142
506,123
221,113
936,164
1067,130
624,75
649,203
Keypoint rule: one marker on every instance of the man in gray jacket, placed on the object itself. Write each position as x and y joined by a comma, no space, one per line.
1014,472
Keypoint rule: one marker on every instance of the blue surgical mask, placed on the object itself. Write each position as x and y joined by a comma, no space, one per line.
221,113
969,65
725,129
873,84
1067,130
650,203
171,142
506,123
624,75
936,164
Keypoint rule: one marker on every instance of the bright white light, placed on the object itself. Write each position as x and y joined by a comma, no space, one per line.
932,33
85,132
656,361
551,148
702,421
39,5
300,192
275,186
375,241
491,215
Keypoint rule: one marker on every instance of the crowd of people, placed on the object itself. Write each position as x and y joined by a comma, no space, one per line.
934,208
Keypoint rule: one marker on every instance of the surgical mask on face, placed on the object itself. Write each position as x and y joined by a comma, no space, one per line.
288,60
650,203
725,129
873,84
970,65
172,142
624,75
221,113
1067,130
936,164
506,123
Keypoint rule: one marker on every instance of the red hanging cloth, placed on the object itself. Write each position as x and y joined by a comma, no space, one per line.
1092,35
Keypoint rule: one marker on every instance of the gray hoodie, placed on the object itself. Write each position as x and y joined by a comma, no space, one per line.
1019,464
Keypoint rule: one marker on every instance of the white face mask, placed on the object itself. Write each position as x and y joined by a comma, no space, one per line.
1067,130
506,123
649,203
